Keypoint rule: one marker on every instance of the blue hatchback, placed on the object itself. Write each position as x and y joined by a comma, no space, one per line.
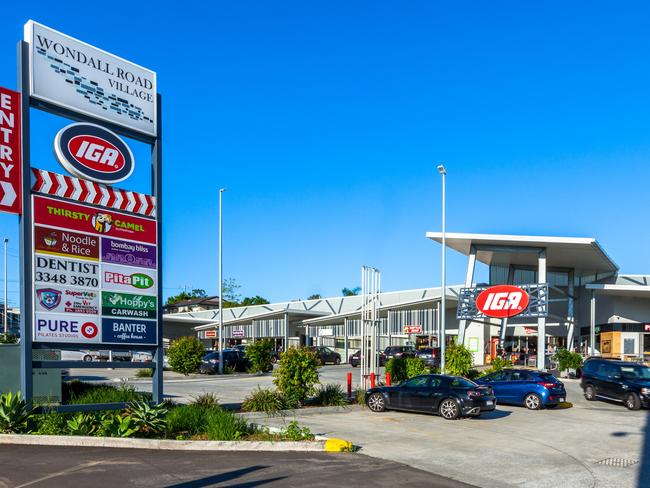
532,389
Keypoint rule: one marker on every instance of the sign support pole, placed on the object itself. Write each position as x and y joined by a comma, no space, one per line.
26,385
156,182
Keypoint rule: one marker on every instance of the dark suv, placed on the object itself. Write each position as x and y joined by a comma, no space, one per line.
326,355
400,352
621,381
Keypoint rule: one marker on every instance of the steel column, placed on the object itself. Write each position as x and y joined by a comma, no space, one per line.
504,321
345,339
592,323
285,345
156,183
570,312
541,321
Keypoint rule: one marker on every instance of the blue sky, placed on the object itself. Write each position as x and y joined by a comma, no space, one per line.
326,121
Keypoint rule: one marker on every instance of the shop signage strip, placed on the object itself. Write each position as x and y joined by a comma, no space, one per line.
85,191
72,216
11,167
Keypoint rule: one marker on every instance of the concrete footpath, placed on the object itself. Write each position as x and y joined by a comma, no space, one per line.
53,467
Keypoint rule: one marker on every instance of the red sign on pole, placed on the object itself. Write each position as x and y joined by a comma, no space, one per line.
10,152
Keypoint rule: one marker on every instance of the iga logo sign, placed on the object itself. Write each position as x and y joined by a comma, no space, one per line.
502,301
92,152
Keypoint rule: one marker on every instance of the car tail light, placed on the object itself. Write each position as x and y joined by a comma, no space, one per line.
473,393
547,384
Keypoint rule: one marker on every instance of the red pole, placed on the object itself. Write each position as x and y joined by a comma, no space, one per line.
387,378
372,380
349,385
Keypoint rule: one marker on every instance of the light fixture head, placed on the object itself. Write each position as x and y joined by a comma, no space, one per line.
442,170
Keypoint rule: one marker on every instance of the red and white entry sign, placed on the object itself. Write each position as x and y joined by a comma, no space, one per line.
502,301
412,329
10,152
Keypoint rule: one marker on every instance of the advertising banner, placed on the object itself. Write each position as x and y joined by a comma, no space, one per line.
125,278
79,77
65,243
129,253
128,305
66,300
50,327
62,271
128,331
83,218
10,152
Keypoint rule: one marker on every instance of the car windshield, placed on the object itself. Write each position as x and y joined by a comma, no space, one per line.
462,383
635,372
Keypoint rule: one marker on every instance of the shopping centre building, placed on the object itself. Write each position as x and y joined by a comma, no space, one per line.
576,299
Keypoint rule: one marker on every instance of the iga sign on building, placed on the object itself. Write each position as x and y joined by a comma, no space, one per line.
79,77
503,301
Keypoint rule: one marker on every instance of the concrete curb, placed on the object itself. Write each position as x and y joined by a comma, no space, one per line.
161,444
301,411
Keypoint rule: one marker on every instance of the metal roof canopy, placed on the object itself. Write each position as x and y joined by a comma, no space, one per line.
583,254
638,291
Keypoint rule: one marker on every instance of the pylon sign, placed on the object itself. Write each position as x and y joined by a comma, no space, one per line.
91,273
10,152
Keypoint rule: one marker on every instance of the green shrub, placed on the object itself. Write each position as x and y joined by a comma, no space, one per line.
498,364
474,374
207,399
260,354
144,373
416,367
15,416
185,355
82,424
109,394
186,421
297,374
8,339
397,369
458,360
294,432
148,419
359,396
51,423
222,425
266,400
331,395
567,359
114,424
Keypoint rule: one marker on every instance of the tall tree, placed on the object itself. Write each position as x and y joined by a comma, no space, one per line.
196,293
315,296
256,300
347,292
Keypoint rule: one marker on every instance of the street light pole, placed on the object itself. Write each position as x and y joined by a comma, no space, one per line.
221,280
443,299
4,319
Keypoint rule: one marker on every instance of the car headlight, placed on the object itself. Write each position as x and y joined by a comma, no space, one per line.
645,391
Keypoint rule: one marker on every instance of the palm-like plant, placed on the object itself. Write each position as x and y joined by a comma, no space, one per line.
147,418
15,415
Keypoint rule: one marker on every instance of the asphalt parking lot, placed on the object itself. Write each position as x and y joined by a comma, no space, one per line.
512,446
71,467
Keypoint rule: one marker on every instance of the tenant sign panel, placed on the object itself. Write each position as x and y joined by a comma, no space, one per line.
69,73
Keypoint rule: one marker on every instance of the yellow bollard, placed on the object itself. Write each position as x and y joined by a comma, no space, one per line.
338,445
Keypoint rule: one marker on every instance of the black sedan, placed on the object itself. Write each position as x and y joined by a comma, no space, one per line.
451,397
326,355
355,359
232,358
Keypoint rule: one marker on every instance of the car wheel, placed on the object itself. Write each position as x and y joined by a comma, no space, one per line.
337,360
376,402
449,409
87,358
533,401
354,365
632,401
590,393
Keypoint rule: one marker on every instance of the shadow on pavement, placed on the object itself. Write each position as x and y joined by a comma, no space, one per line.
86,378
494,414
228,476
